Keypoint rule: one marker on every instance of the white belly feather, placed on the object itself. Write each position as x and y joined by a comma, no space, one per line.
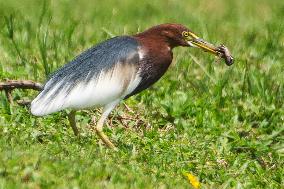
109,86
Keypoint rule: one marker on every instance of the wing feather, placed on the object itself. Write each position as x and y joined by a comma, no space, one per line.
102,73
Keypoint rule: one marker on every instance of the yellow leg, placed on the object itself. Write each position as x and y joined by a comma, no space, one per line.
99,128
72,121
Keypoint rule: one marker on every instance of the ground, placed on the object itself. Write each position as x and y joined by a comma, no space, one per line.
223,125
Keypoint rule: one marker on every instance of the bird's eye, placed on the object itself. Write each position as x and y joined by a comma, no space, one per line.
185,34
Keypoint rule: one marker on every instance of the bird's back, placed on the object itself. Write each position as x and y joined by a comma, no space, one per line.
93,78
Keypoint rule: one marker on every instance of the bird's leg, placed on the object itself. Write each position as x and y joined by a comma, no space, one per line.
72,121
99,128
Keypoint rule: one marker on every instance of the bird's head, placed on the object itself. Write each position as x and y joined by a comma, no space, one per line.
178,35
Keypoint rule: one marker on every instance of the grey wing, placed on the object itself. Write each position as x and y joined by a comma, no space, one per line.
96,77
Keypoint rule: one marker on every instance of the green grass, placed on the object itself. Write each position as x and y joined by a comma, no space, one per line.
224,125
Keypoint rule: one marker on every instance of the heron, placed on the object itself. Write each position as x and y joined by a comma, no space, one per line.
114,70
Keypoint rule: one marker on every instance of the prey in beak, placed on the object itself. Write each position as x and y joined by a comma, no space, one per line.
221,51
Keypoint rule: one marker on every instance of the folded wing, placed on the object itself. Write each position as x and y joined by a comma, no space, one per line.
98,76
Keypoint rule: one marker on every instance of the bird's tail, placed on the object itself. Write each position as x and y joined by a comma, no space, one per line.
47,102
38,106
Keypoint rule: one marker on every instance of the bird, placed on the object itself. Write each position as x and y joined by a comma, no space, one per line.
114,70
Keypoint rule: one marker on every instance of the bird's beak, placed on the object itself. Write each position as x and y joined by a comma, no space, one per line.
200,43
221,51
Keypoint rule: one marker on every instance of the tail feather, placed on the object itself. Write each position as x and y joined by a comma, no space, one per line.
48,101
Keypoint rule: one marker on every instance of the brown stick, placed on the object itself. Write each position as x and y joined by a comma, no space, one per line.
9,96
20,84
24,102
9,85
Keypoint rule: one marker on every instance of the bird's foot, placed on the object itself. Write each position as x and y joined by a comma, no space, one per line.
105,139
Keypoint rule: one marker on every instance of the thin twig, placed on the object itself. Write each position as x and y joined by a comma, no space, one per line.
128,108
20,84
9,85
9,96
23,102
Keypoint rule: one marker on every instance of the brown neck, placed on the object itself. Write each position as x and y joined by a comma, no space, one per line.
154,39
157,49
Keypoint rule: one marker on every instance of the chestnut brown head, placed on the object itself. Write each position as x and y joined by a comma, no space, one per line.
175,35
169,33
